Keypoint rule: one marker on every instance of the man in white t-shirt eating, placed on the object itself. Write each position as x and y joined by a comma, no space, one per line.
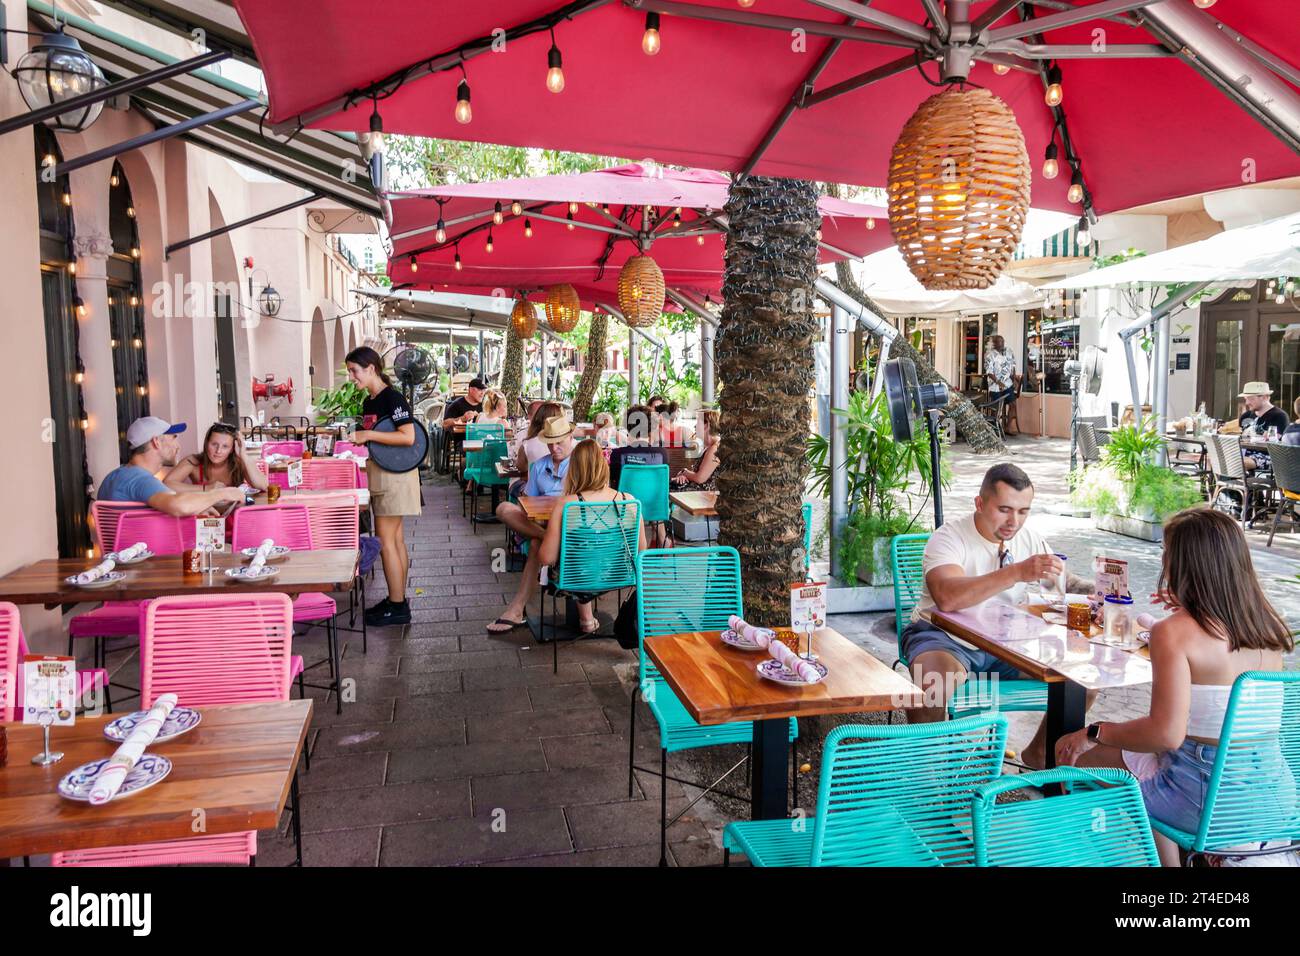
987,556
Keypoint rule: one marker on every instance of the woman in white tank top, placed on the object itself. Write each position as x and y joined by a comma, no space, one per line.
1221,626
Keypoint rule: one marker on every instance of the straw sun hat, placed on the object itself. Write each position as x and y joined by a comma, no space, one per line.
556,429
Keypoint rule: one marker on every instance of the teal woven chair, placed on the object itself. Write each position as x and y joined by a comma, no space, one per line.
976,696
491,431
648,484
481,474
1099,821
1253,795
598,548
681,590
807,537
887,796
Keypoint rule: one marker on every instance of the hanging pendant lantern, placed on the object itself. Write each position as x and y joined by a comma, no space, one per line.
55,70
562,307
959,180
523,319
641,290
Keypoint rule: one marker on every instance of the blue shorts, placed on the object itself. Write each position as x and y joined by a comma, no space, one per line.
921,636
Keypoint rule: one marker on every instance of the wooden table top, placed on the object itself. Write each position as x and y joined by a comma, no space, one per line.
473,444
1043,651
236,766
362,495
719,684
697,503
538,507
43,581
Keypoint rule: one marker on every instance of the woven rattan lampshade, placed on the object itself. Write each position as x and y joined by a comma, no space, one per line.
523,319
562,307
641,290
959,189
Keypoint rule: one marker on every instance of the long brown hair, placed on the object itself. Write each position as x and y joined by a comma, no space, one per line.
238,475
1208,571
365,356
588,470
544,411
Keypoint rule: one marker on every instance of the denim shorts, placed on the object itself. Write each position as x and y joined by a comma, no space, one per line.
921,636
1174,782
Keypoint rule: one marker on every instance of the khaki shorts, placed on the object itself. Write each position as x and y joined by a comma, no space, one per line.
393,493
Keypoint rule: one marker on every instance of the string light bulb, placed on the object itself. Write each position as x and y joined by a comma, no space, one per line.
463,112
81,308
1205,4
699,240
376,131
488,244
135,300
569,225
528,229
745,3
1076,188
130,212
114,180
573,208
440,234
871,224
85,423
459,265
142,390
415,265
516,208
650,40
554,68
1051,166
67,199
72,268
79,378
135,252
497,216
1084,233
1001,69
1055,92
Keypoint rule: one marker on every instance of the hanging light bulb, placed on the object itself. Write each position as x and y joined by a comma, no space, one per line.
1001,69
142,390
376,131
415,266
85,423
516,208
818,234
573,208
136,343
650,40
130,212
1084,233
79,378
114,180
134,300
67,199
135,252
871,224
745,3
554,68
440,234
488,245
1076,187
458,263
569,226
497,216
1205,4
463,112
699,240
81,308
528,228
605,209
72,268
1051,167
1055,92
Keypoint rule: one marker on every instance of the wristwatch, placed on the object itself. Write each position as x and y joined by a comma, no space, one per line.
1094,732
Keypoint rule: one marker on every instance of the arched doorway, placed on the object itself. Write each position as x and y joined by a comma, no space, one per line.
336,374
125,308
68,420
320,359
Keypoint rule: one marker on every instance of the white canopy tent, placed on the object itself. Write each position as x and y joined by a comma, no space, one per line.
885,277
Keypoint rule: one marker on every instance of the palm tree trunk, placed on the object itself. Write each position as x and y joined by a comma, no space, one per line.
512,369
970,423
592,367
764,355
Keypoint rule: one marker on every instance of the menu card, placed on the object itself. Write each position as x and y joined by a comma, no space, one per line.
295,473
324,445
50,688
1110,576
807,606
210,534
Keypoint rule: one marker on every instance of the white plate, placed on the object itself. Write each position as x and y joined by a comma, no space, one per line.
108,580
1052,617
732,639
241,573
278,553
148,770
775,671
1144,636
180,721
137,559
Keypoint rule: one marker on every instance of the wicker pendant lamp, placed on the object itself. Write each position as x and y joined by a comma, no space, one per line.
523,319
641,290
562,307
959,189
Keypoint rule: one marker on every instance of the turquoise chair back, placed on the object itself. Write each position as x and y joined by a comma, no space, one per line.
648,484
905,554
807,536
482,465
685,589
1100,821
1254,790
894,795
476,432
598,546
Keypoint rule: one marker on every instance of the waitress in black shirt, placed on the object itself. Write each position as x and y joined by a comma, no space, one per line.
393,495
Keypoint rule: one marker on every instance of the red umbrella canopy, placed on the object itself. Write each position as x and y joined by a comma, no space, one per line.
675,214
1144,124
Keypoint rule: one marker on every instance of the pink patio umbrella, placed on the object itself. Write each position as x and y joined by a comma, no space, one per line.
1159,99
608,212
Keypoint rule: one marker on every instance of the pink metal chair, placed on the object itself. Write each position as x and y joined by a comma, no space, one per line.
293,449
290,525
104,517
336,523
361,451
248,661
329,473
13,647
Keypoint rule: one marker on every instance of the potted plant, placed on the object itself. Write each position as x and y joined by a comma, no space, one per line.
888,483
1126,491
342,401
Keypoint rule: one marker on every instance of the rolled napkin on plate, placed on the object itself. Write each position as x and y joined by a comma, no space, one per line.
259,559
762,636
1146,621
113,774
97,572
134,551
794,663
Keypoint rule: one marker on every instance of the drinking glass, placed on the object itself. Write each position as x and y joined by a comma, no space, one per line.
1054,587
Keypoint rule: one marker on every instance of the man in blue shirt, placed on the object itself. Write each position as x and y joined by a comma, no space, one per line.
545,478
154,446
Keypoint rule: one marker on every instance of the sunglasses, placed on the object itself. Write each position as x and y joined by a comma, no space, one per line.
224,430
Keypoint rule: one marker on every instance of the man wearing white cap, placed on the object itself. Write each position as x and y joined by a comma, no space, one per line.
154,446
1261,414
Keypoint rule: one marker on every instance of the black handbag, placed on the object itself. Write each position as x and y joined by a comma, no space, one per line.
625,625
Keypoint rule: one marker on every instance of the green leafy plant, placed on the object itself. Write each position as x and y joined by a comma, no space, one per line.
341,401
1128,482
885,479
1131,447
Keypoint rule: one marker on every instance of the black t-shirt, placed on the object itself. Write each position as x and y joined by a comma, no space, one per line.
634,455
390,403
1273,418
460,406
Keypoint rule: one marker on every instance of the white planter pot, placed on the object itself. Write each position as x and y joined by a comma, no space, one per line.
1134,527
882,574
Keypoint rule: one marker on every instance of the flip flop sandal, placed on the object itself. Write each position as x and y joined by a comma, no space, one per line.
511,626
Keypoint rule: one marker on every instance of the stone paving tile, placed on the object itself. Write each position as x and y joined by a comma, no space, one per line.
480,839
344,772
564,697
401,803
368,711
395,736
552,788
630,823
522,677
501,701
459,661
358,847
531,726
444,763
596,750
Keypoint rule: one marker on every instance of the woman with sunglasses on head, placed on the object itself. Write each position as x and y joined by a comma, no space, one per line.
1222,625
223,461
393,495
